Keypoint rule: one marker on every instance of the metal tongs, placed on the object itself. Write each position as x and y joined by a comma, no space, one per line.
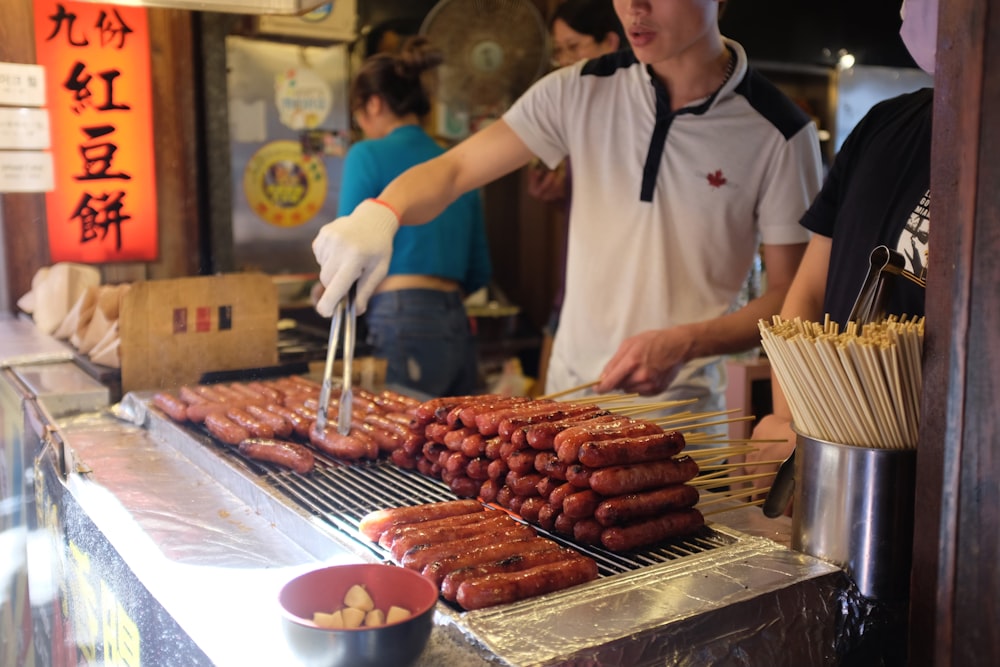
344,315
884,264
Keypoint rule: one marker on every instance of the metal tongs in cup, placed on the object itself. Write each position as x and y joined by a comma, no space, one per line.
344,315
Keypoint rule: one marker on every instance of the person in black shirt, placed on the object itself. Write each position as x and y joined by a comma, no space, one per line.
877,193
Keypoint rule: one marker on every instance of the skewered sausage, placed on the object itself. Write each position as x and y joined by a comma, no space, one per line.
650,531
618,480
621,451
538,414
567,444
542,436
628,507
581,505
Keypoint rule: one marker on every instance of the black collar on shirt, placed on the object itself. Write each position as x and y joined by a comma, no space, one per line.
664,117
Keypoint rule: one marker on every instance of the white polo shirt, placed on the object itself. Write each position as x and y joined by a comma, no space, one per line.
668,209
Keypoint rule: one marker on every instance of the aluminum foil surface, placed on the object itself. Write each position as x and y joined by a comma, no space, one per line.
188,531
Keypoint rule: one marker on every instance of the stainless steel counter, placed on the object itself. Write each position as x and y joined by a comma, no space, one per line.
212,545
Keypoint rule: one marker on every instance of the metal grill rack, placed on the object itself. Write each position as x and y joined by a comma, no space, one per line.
339,495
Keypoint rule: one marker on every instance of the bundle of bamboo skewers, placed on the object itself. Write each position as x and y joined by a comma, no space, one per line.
856,387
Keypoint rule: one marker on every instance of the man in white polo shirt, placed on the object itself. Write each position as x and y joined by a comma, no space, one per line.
685,162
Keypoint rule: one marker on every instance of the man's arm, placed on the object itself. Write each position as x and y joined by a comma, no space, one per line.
422,192
356,248
646,363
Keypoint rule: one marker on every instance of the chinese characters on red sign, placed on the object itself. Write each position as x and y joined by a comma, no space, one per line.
96,57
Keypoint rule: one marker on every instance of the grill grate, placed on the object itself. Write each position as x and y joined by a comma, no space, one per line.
339,495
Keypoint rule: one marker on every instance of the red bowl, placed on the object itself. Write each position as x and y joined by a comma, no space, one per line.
323,590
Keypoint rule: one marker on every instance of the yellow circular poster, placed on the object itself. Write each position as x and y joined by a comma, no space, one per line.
283,186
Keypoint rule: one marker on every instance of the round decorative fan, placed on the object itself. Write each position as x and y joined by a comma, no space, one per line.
493,50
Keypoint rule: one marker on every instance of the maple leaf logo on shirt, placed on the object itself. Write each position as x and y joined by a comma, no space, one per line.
716,180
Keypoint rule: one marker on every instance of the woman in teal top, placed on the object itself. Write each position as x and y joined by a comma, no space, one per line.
416,318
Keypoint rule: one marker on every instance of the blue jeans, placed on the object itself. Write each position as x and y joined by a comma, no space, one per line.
425,336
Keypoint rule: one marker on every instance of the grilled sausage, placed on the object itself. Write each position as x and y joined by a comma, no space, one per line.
300,424
174,407
464,486
254,427
567,444
470,415
503,588
547,463
542,436
482,523
420,557
650,531
437,570
541,413
587,531
521,462
282,427
389,536
632,506
621,451
373,524
474,445
225,429
197,412
531,507
581,505
618,480
281,452
488,420
547,552
525,484
489,489
426,412
353,447
403,460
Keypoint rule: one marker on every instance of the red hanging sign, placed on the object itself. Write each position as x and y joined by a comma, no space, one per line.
99,91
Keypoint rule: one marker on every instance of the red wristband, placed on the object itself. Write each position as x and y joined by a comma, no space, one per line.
399,218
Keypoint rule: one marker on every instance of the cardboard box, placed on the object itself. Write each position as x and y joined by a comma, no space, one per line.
173,331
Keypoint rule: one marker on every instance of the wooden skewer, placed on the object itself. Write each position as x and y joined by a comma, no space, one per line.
688,417
720,466
607,398
567,392
731,480
715,423
706,441
650,407
717,451
720,510
730,496
712,475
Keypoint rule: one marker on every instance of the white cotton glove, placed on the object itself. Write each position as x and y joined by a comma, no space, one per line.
355,247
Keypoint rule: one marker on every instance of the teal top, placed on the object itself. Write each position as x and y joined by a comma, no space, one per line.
452,245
